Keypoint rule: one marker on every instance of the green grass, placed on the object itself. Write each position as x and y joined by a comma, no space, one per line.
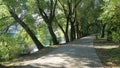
109,57
100,40
109,54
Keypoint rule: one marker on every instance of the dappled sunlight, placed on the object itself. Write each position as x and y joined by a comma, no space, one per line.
58,33
108,52
105,45
68,56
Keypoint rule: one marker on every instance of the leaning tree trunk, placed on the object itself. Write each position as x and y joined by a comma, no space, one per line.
54,38
27,29
49,18
65,35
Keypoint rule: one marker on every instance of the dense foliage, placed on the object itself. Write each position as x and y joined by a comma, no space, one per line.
110,18
25,23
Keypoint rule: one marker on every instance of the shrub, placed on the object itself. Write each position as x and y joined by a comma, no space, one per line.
10,48
116,36
10,52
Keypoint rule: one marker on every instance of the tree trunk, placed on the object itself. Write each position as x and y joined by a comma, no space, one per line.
103,31
49,18
78,31
27,29
65,35
72,32
67,28
54,38
109,37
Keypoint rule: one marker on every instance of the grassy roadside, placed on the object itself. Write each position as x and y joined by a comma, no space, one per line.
108,52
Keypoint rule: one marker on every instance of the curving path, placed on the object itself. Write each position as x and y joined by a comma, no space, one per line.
77,54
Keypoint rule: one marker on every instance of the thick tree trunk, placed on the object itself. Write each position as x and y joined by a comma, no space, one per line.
27,29
67,28
103,31
66,38
72,32
54,38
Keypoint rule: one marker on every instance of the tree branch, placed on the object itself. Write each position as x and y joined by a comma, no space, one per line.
4,17
65,11
42,12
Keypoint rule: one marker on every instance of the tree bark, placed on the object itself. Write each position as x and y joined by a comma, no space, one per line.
78,30
49,18
67,28
103,31
54,38
65,35
27,29
70,14
109,37
72,32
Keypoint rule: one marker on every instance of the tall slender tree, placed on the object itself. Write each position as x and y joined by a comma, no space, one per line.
70,14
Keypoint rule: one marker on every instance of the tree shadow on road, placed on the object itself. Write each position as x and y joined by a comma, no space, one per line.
77,54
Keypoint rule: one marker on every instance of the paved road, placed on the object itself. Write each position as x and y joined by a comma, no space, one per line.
77,54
